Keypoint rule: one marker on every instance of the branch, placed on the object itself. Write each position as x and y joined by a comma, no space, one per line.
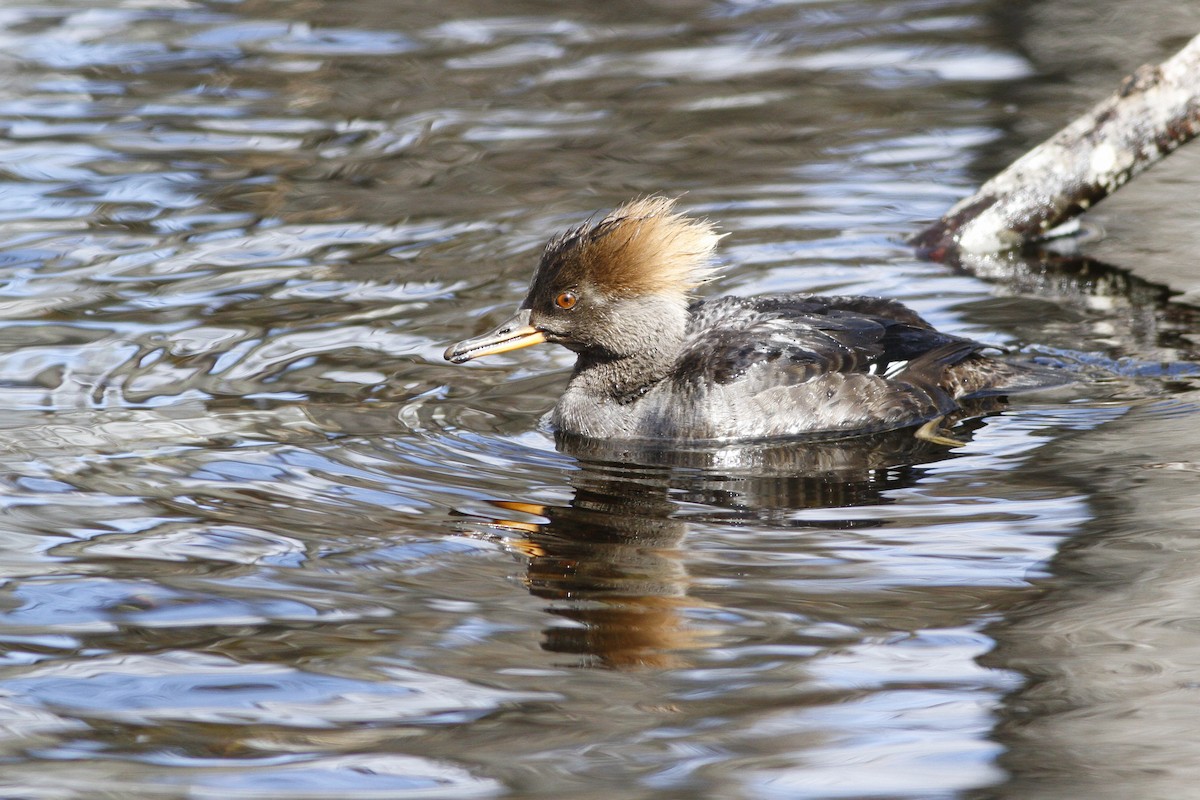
1155,110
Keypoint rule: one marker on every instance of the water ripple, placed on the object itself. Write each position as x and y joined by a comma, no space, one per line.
258,539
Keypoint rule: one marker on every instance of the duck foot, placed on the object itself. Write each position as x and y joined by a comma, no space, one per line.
932,432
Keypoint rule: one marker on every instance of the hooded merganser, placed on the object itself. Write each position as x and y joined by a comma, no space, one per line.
654,364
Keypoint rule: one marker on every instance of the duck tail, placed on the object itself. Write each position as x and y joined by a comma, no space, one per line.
988,376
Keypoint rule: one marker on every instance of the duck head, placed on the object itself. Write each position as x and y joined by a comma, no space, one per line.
611,288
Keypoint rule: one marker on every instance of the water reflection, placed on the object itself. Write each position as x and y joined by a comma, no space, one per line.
610,559
609,564
1110,647
1139,317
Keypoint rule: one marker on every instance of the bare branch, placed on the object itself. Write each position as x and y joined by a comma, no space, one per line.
1155,110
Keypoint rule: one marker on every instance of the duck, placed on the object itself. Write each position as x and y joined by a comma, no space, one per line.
655,363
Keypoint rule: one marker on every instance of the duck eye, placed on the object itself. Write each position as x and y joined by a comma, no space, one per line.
566,300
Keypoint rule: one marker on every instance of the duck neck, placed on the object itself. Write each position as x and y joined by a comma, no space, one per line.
646,344
621,379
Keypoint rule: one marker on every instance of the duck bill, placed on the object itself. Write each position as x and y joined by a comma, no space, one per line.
511,335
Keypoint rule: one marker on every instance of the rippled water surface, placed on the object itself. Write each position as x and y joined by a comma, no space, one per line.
259,541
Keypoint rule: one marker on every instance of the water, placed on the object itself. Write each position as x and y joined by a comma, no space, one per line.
259,541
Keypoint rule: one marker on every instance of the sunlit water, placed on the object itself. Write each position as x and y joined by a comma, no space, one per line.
259,541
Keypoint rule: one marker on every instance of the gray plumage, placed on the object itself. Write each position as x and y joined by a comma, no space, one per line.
653,365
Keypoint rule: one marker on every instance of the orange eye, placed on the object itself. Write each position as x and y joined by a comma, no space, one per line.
566,300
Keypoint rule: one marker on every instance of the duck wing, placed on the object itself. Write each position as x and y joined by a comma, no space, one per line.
776,340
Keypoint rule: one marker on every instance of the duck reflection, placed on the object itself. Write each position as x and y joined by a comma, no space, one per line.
609,564
610,561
